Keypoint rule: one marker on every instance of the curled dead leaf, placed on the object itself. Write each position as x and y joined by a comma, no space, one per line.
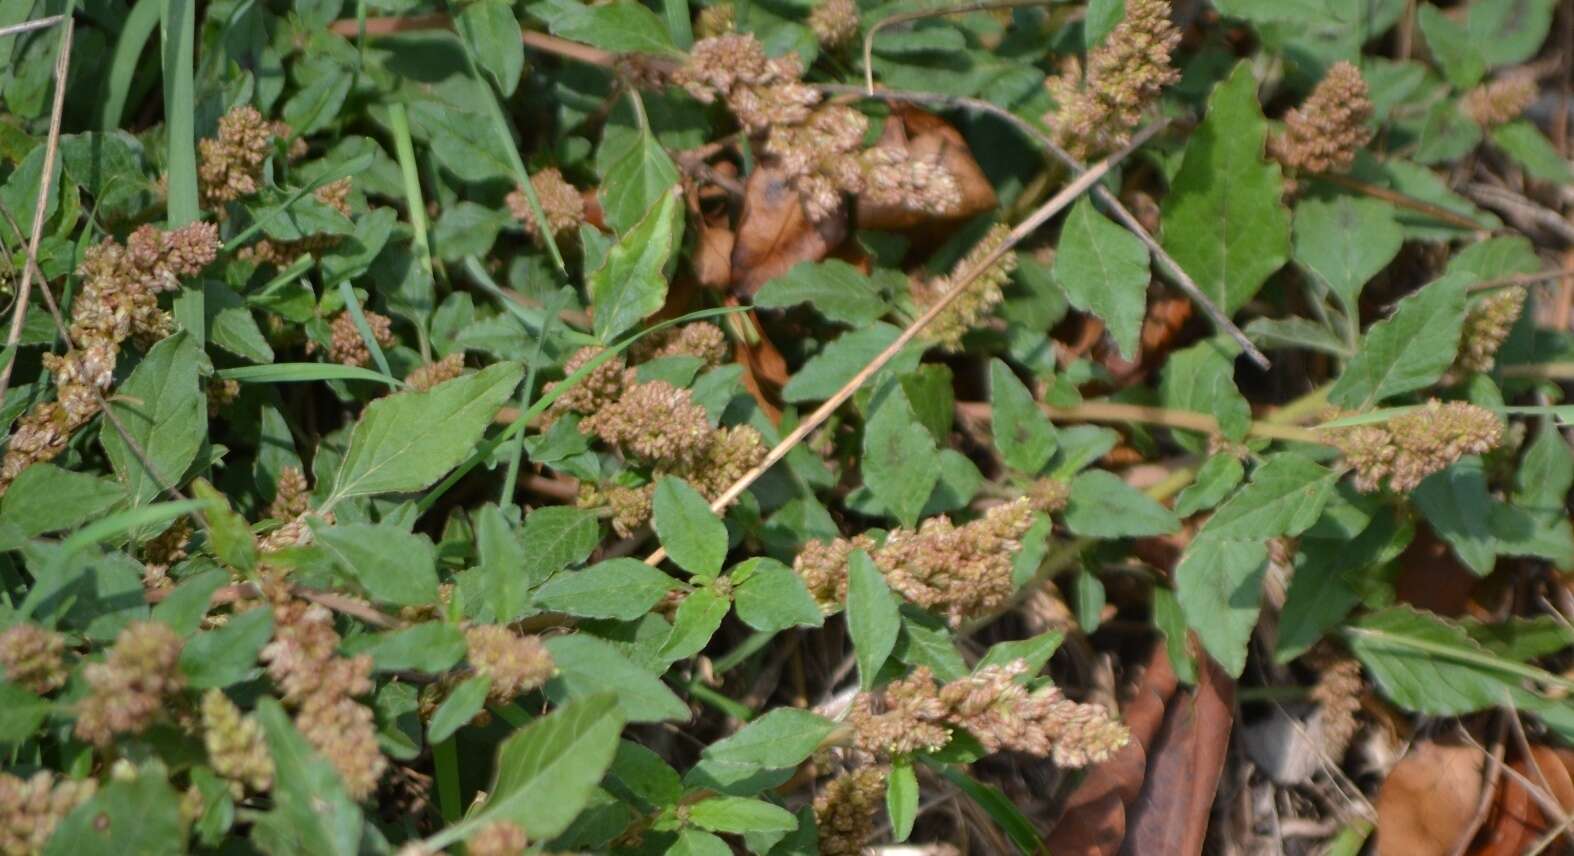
775,233
713,256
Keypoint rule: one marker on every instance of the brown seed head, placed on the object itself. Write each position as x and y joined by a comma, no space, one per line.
33,657
1125,74
1500,101
127,689
235,744
515,663
1324,134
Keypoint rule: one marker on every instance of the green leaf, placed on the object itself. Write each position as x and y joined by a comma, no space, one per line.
458,709
230,324
554,538
407,441
833,288
1292,332
229,535
873,618
637,182
1324,590
501,558
165,414
140,815
492,32
622,588
631,284
1215,479
45,498
588,666
842,359
901,799
1508,32
900,462
738,815
1430,666
769,596
1285,496
781,739
926,641
21,713
621,27
692,534
694,623
547,770
1104,506
311,812
1201,378
1344,241
1525,143
392,565
1023,434
1219,585
1458,56
1224,220
697,842
1034,651
1409,350
1456,504
431,647
185,607
1104,270
226,654
646,775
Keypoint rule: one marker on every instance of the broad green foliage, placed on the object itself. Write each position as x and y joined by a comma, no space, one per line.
383,368
1224,220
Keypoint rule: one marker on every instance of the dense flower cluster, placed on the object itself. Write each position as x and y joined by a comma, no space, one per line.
1487,327
1125,74
119,300
1338,693
834,22
321,686
657,425
345,344
498,838
236,748
704,341
292,495
958,571
33,657
561,202
31,808
1499,101
1409,447
845,807
913,714
1324,134
717,19
230,164
819,151
982,294
446,369
127,690
514,663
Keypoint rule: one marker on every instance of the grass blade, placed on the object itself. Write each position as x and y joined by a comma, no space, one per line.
179,18
303,373
353,306
134,35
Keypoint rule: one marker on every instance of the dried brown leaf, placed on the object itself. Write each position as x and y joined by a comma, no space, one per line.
775,233
1429,799
1185,762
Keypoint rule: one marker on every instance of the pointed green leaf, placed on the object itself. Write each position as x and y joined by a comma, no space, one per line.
692,534
873,618
1224,220
1023,434
1104,270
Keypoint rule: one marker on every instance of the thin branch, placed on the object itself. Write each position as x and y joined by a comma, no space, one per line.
1184,420
29,26
1523,279
1403,200
41,204
1167,263
1060,201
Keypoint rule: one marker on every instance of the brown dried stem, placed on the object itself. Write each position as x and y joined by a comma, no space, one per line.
41,204
1184,420
1055,205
